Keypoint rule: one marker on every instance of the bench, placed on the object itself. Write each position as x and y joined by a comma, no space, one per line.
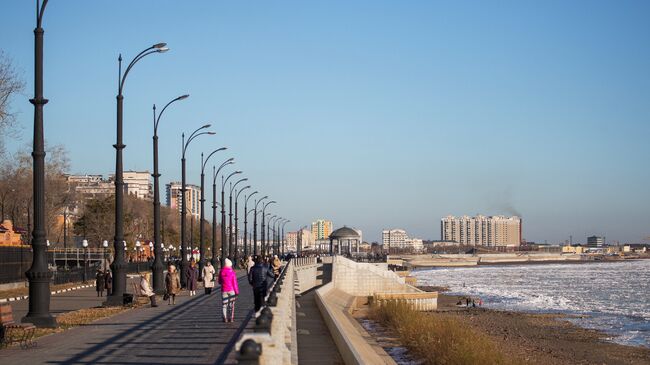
12,332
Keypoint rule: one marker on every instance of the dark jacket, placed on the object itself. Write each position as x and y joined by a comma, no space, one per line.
259,275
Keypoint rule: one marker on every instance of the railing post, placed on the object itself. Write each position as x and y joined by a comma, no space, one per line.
249,353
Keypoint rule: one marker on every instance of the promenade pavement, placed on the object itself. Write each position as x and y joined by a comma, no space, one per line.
190,332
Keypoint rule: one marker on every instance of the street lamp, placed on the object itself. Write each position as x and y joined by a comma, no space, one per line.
104,247
229,161
224,247
230,228
118,265
201,224
246,197
263,218
257,202
157,267
137,256
194,134
270,244
84,243
237,220
283,236
39,275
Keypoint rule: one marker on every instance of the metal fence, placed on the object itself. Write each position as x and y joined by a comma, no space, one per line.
15,261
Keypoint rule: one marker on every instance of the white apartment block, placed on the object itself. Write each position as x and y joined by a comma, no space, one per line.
482,230
399,239
192,198
138,184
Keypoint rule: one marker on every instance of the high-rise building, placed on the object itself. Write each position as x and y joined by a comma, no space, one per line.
192,198
482,230
321,229
399,239
595,241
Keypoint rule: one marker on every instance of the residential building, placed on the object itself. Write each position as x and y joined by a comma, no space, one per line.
192,198
291,241
321,229
595,241
398,239
138,184
482,230
91,186
305,240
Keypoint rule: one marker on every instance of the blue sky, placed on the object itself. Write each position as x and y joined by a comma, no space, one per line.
374,114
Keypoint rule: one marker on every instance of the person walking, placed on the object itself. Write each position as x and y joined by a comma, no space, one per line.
172,284
229,291
257,277
100,283
208,277
276,264
108,282
191,275
145,289
249,264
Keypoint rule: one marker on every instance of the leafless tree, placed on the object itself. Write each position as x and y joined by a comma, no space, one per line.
10,85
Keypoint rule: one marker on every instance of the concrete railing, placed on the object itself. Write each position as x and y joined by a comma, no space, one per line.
350,338
418,301
303,261
274,341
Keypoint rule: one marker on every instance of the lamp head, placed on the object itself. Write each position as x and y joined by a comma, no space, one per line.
212,133
160,45
182,97
206,126
238,172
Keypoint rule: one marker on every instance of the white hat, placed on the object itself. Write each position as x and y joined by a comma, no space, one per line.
228,263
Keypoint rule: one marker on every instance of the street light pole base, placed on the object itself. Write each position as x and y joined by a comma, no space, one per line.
41,321
114,301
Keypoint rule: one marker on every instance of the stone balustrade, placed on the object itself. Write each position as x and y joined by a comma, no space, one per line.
423,301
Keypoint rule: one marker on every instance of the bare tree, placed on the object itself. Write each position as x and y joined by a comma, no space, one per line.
10,84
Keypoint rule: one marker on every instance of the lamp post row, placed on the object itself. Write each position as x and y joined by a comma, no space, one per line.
38,274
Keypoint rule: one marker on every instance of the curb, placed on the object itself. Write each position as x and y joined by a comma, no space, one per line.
13,299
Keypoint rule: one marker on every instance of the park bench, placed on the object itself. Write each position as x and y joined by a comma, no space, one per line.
12,332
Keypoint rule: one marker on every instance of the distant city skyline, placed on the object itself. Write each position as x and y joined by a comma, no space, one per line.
373,114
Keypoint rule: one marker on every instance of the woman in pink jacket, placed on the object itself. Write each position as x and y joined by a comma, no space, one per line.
229,291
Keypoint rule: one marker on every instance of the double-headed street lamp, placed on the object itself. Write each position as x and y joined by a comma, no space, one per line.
230,228
201,224
118,265
229,161
224,246
246,197
263,248
158,266
192,136
237,192
39,275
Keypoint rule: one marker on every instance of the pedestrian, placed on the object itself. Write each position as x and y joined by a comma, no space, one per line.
108,282
191,276
145,289
249,264
480,302
229,291
172,284
100,283
276,264
257,277
208,277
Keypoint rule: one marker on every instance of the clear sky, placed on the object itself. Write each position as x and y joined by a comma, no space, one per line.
374,114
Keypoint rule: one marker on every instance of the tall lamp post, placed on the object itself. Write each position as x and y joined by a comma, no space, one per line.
192,136
118,265
263,248
270,245
39,275
137,256
283,236
104,247
237,192
232,253
202,223
224,246
158,266
229,161
246,197
257,202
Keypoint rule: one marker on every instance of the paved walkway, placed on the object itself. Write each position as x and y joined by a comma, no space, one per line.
190,332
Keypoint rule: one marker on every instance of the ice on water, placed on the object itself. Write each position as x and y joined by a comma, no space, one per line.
611,296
